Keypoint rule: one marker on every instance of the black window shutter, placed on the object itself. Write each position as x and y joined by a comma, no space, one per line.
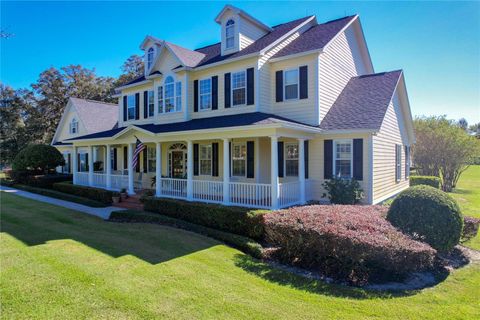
279,86
114,158
86,162
227,90
124,108
327,159
125,157
358,159
78,162
137,106
69,162
280,159
145,104
250,87
195,159
145,162
195,96
214,92
230,157
305,151
250,159
215,159
303,82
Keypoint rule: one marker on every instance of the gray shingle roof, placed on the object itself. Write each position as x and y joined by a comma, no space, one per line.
96,116
236,120
315,38
363,102
189,58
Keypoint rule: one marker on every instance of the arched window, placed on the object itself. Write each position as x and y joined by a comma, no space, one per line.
170,96
150,53
74,126
229,34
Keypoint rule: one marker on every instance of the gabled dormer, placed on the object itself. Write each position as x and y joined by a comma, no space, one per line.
151,47
238,29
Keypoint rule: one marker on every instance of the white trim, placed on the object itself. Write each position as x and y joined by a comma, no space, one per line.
210,65
285,81
334,155
231,88
295,55
141,83
370,167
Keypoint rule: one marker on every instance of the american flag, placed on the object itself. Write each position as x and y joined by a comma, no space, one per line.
139,146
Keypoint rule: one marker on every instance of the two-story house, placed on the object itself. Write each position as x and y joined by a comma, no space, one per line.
259,119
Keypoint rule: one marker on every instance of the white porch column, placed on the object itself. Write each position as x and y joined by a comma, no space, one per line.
90,165
74,164
108,164
274,171
226,171
158,169
301,169
189,170
131,190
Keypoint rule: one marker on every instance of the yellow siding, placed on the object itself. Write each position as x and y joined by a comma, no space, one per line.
63,132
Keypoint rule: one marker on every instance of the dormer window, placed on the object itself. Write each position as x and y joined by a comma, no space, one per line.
230,34
74,126
150,53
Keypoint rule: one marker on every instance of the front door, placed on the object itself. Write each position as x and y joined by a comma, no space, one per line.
178,167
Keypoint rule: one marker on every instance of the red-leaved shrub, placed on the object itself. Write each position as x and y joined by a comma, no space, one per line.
352,243
470,228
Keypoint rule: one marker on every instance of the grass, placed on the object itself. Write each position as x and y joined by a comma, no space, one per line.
467,194
60,264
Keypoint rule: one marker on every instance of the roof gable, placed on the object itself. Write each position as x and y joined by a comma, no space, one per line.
243,14
95,115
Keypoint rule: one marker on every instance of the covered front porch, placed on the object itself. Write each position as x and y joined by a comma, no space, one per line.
238,169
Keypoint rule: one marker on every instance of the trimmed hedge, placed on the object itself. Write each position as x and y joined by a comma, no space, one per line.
244,244
60,195
348,243
428,214
47,181
242,221
431,181
6,182
470,228
101,195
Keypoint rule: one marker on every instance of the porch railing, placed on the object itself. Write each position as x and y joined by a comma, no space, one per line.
210,191
82,178
289,194
251,194
174,188
99,180
119,181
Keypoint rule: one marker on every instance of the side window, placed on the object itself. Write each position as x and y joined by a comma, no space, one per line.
206,159
291,84
239,88
239,157
205,93
151,103
342,165
131,107
291,160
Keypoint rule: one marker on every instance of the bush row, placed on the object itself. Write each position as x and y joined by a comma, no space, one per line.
470,228
242,243
425,180
351,243
101,195
242,221
60,195
34,179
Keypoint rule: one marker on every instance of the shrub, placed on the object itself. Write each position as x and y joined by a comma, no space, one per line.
6,182
60,195
349,243
238,220
38,157
425,180
47,181
428,214
245,244
343,191
470,228
102,195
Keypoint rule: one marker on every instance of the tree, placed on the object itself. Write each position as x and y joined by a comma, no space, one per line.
443,149
462,123
132,68
40,157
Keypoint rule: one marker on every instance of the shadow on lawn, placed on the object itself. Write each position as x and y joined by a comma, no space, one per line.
36,223
272,274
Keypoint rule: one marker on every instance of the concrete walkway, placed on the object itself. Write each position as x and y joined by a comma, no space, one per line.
103,213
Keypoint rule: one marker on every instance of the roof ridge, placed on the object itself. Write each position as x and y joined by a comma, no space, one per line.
95,101
210,45
338,19
281,24
377,74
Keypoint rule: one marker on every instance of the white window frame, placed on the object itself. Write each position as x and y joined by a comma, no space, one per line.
342,141
150,94
407,162
244,87
285,84
241,144
134,107
74,124
227,27
150,58
200,94
165,84
200,159
161,90
82,154
285,158
151,156
398,162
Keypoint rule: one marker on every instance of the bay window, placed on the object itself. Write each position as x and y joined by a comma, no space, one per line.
342,165
160,99
178,96
169,95
239,88
291,160
151,103
206,159
291,84
205,94
239,159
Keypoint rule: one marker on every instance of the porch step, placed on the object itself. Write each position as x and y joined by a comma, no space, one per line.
132,202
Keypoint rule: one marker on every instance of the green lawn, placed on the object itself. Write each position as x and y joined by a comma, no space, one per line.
467,195
60,264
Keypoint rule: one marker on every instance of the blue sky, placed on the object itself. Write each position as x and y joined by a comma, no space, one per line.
436,43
